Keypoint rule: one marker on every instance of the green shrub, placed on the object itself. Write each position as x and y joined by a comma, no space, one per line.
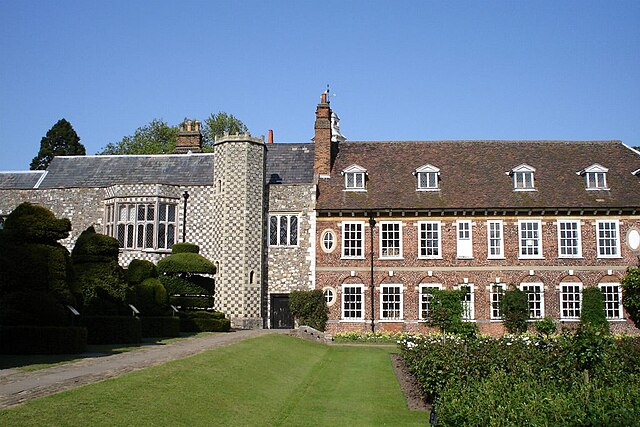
309,308
515,311
176,285
179,248
159,326
112,329
592,310
103,288
187,302
33,308
202,321
35,224
151,298
94,247
631,294
42,340
446,309
139,270
185,263
546,326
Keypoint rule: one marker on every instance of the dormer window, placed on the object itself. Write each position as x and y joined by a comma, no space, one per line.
595,177
523,178
428,178
354,178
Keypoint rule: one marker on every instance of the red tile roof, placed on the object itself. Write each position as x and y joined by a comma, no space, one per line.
473,175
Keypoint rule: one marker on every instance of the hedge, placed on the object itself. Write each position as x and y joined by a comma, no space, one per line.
160,326
94,247
42,340
35,224
186,263
113,329
203,322
191,301
179,248
179,286
139,270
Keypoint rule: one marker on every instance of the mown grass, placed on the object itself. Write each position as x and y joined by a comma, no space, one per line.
273,380
34,362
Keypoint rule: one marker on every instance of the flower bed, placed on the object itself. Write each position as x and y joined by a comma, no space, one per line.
588,379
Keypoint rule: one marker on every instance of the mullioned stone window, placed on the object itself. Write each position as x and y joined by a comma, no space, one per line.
142,225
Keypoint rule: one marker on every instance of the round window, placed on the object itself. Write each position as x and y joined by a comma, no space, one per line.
633,239
329,295
328,239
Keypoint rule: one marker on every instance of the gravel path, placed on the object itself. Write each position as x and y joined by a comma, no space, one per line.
17,387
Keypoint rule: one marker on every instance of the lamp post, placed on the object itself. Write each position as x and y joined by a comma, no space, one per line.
184,217
372,224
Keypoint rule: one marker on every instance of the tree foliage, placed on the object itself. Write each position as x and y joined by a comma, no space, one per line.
156,137
631,294
515,311
216,125
60,140
592,310
309,308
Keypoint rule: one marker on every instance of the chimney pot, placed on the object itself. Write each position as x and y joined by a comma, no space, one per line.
270,140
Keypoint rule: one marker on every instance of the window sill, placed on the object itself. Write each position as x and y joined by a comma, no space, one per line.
427,190
496,257
570,257
390,320
352,321
465,257
357,190
361,258
598,189
609,257
574,319
284,246
531,257
387,258
524,189
431,257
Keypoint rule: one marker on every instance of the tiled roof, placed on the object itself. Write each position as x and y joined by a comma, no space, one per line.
19,180
104,171
289,163
473,175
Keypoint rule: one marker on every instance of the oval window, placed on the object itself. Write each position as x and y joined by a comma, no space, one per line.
328,241
633,239
329,295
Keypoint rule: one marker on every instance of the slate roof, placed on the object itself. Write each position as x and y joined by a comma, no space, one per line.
289,163
19,180
473,175
105,171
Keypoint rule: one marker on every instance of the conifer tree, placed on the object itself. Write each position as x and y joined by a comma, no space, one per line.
60,140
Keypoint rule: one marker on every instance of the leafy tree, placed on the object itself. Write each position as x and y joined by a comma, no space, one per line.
515,311
217,124
60,140
631,294
157,137
446,309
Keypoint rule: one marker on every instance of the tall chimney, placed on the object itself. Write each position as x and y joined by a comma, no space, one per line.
322,139
270,140
189,138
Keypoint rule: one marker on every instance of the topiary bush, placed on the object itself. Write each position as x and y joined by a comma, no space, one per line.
112,329
94,247
631,294
32,308
152,298
35,224
515,311
203,321
176,285
159,326
139,270
592,310
309,308
179,248
185,262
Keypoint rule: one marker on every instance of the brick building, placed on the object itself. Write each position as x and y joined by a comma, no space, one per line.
375,225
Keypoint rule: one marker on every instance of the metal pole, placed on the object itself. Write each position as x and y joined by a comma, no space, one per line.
372,224
184,217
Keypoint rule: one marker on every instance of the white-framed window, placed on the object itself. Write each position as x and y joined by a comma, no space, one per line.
530,238
612,296
354,178
535,296
390,239
428,178
464,242
328,241
468,301
429,240
570,301
426,295
497,295
595,177
569,239
352,302
495,239
283,229
329,295
608,238
142,225
353,239
391,302
523,178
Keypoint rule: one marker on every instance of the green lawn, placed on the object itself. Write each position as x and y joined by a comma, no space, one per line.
268,381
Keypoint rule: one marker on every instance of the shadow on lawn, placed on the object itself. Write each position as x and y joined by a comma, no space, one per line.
33,362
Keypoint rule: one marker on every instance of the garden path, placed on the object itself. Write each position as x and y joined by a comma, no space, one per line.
17,386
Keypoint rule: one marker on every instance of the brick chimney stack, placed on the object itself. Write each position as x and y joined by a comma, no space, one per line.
189,138
323,160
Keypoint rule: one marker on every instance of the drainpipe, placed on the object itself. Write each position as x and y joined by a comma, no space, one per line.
184,217
372,225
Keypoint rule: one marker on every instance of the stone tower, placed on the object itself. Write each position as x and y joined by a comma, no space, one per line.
238,206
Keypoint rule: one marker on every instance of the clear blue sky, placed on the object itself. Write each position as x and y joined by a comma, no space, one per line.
400,70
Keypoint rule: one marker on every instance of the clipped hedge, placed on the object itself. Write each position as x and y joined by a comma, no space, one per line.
34,308
113,329
94,247
203,321
35,224
179,248
139,270
185,263
42,340
151,298
176,285
160,326
192,301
